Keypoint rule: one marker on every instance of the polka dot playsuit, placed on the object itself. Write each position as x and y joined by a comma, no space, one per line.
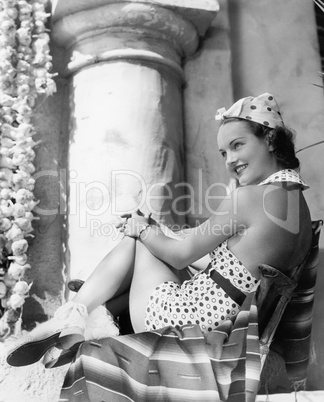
199,300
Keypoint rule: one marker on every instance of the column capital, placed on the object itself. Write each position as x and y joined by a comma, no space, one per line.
155,30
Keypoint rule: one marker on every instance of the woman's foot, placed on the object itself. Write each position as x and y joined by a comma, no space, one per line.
56,357
64,330
99,324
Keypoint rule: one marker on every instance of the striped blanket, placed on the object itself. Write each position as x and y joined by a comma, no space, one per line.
171,364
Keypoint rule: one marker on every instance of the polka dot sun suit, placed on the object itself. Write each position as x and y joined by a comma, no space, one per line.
199,300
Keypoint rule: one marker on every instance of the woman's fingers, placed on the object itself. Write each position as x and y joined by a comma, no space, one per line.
144,215
129,229
130,223
119,225
125,216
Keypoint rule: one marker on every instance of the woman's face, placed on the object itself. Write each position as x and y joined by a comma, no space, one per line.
247,158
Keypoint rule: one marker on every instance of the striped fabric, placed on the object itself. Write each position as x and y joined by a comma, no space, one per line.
293,335
171,364
184,364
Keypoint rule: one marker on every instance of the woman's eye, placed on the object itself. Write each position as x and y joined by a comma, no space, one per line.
237,145
223,154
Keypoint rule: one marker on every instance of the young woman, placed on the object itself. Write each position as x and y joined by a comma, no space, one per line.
274,228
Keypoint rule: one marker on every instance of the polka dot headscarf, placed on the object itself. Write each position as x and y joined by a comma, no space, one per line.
262,109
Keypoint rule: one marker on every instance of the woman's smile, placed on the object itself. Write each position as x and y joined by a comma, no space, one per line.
247,157
239,169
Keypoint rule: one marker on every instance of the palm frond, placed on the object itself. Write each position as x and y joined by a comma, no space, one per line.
317,85
310,146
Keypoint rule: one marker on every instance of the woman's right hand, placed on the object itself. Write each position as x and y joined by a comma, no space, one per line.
136,224
132,224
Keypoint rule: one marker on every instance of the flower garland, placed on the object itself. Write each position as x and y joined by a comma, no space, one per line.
25,64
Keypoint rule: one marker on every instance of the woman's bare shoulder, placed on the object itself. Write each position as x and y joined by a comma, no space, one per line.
275,193
252,197
270,203
278,224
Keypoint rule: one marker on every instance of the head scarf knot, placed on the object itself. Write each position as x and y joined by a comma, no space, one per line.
262,109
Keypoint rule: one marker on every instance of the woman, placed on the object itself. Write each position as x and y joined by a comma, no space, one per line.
267,206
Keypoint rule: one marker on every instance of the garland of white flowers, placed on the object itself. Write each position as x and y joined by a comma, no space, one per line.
25,65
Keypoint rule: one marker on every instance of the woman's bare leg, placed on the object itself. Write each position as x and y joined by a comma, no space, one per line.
129,265
149,272
119,304
111,278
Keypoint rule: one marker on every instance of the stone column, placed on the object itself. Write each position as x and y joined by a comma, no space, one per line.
126,147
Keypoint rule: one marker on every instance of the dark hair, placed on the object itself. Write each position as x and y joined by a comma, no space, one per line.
281,138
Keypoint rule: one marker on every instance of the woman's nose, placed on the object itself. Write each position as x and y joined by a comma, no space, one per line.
231,158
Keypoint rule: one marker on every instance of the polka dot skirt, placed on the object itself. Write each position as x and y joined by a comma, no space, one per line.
199,300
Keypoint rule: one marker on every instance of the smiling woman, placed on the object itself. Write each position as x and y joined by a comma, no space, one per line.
264,221
248,158
277,140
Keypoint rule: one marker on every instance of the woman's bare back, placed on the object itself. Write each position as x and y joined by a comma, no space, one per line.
278,232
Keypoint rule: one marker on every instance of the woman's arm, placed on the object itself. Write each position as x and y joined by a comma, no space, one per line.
182,252
227,220
180,235
201,264
177,235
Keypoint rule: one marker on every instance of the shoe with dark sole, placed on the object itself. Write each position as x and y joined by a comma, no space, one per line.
99,324
32,351
64,330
